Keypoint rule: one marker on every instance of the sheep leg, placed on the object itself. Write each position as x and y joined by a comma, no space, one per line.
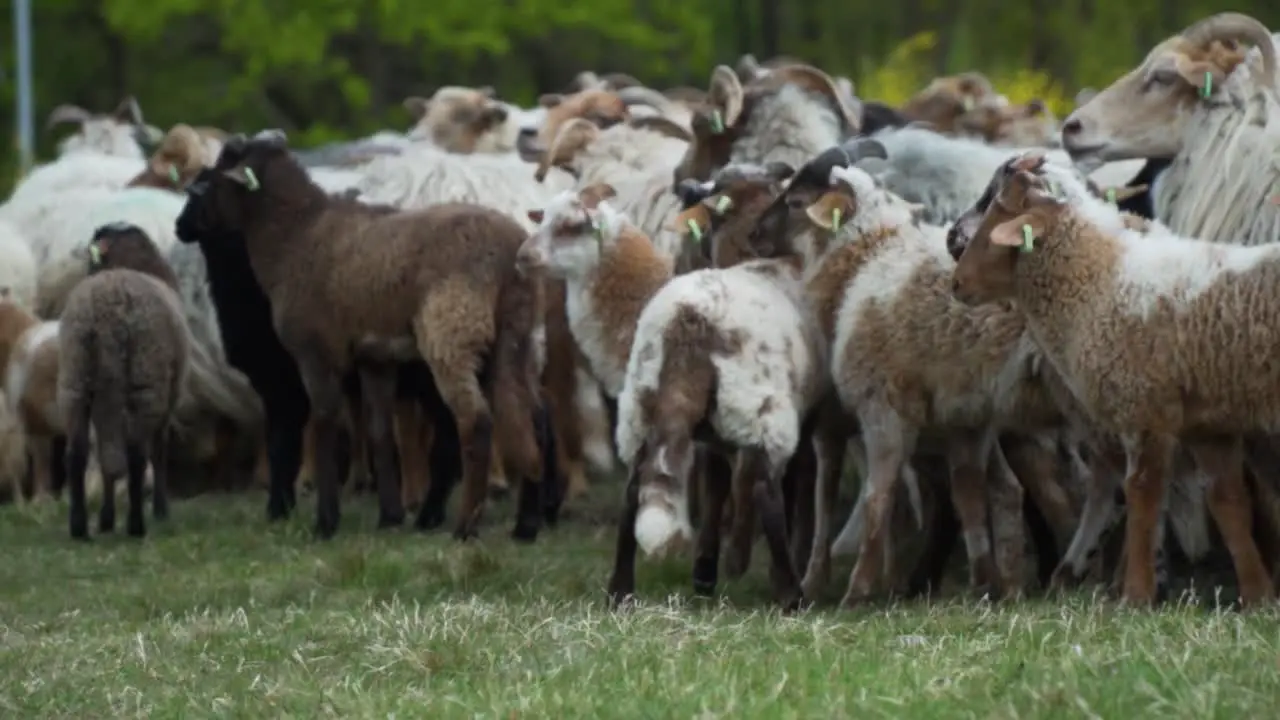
717,477
41,448
413,435
306,476
461,392
888,443
829,445
358,477
802,482
324,388
284,460
224,439
58,464
1261,455
1034,462
944,531
160,471
378,397
552,495
766,474
1148,456
966,455
742,533
77,465
1100,514
622,584
1229,503
1007,522
136,460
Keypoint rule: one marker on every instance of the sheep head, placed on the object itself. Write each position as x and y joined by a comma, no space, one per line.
111,132
966,226
1145,112
946,99
719,215
460,120
1023,212
719,124
124,245
777,225
573,232
181,155
855,207
602,108
224,199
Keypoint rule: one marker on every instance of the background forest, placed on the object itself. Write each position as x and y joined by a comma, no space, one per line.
333,69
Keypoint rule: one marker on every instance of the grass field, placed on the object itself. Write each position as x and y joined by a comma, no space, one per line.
218,615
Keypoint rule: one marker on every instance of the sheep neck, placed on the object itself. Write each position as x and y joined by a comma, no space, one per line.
276,227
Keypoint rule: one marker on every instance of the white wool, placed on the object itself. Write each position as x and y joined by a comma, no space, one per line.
17,266
423,176
82,170
597,448
16,374
335,180
102,135
661,530
790,126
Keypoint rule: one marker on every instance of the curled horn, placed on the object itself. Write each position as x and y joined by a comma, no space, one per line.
640,95
67,114
662,126
811,78
866,148
727,89
128,111
1237,26
572,137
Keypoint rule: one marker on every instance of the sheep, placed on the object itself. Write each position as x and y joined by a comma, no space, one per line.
1201,100
253,347
296,236
727,356
464,120
74,172
601,107
789,115
1162,306
121,133
123,356
183,152
17,266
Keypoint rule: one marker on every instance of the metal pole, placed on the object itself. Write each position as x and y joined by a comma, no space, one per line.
26,139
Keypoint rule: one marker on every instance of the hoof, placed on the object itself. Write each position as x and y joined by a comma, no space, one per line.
137,530
463,534
795,604
524,532
325,530
498,492
277,511
390,522
704,576
430,519
80,534
621,599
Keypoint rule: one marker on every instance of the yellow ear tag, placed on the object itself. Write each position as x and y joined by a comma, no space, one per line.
173,174
1027,240
1207,90
717,122
694,229
723,204
835,219
1111,195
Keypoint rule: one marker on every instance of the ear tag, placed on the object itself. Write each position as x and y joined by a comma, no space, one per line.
723,204
1111,195
598,231
173,174
694,229
251,180
968,103
1027,239
835,219
95,254
717,122
1207,90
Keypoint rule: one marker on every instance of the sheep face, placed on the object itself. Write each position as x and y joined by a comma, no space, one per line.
462,120
121,133
855,207
721,221
600,108
946,99
1022,212
180,157
573,231
1145,112
222,200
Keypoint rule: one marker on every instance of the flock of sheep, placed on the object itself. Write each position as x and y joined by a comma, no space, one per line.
1002,322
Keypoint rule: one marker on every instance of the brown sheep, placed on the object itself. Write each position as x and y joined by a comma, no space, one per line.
440,284
182,154
123,349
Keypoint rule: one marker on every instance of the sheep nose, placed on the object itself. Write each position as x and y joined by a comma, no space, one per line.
1072,126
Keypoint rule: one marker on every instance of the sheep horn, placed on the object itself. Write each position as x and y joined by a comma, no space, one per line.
640,95
1238,26
662,126
811,78
271,137
691,192
68,114
587,80
128,111
573,136
726,92
865,148
621,81
749,69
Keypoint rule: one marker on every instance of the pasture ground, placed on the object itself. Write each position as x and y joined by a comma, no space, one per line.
217,614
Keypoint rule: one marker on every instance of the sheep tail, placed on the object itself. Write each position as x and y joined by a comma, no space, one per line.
686,385
515,386
211,384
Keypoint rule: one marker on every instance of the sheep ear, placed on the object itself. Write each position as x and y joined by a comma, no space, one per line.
535,216
1119,195
695,221
1199,74
831,210
1019,232
417,106
243,175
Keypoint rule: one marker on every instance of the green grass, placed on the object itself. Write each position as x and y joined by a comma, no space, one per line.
218,615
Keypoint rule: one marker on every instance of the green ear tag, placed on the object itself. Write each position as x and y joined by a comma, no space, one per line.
1111,195
1207,90
835,219
95,255
251,180
723,204
1027,239
694,229
717,122
173,174
968,103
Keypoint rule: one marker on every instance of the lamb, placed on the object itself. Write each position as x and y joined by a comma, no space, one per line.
123,358
726,356
296,236
182,154
1168,373
1025,125
1201,100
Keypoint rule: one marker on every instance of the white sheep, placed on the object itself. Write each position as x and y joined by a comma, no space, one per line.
115,134
1159,338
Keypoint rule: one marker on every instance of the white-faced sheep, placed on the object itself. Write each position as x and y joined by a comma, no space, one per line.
1158,338
465,312
123,356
